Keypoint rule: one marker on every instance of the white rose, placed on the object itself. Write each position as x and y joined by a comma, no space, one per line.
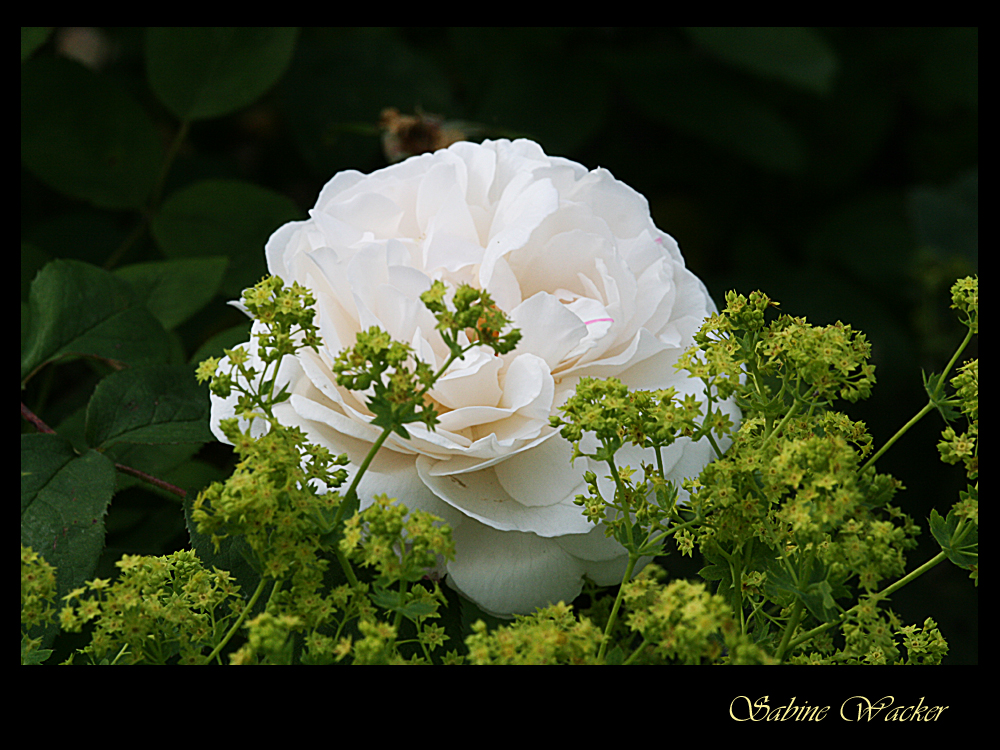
597,290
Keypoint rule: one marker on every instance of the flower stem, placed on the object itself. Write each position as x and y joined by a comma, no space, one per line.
793,622
29,415
928,406
777,428
951,363
239,621
349,500
888,591
352,491
632,560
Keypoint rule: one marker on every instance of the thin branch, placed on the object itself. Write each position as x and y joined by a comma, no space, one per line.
182,494
31,417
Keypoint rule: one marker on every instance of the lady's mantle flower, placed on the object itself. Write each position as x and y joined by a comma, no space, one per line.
596,289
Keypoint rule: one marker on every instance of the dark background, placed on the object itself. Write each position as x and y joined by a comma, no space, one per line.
835,169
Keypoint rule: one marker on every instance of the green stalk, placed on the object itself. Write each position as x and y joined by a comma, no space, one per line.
636,653
239,621
632,560
621,493
954,359
888,591
352,491
793,622
791,413
928,406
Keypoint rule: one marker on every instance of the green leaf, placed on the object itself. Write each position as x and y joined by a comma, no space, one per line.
938,395
157,404
793,54
64,498
164,461
31,658
174,290
79,309
226,217
85,137
203,72
964,551
398,601
715,573
816,593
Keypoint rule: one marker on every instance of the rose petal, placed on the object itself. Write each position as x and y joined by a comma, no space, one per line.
508,572
480,495
548,328
596,289
543,476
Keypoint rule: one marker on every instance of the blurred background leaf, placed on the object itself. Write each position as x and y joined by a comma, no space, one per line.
203,72
223,217
33,37
795,55
174,290
85,136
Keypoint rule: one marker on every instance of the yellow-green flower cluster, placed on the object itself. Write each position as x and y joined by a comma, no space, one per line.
401,545
964,446
825,362
287,316
803,495
682,622
965,299
726,344
607,408
272,498
924,644
474,313
785,362
956,446
161,610
553,635
287,312
378,362
38,589
38,594
649,419
268,640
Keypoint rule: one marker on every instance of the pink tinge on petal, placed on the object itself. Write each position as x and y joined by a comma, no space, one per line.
599,320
